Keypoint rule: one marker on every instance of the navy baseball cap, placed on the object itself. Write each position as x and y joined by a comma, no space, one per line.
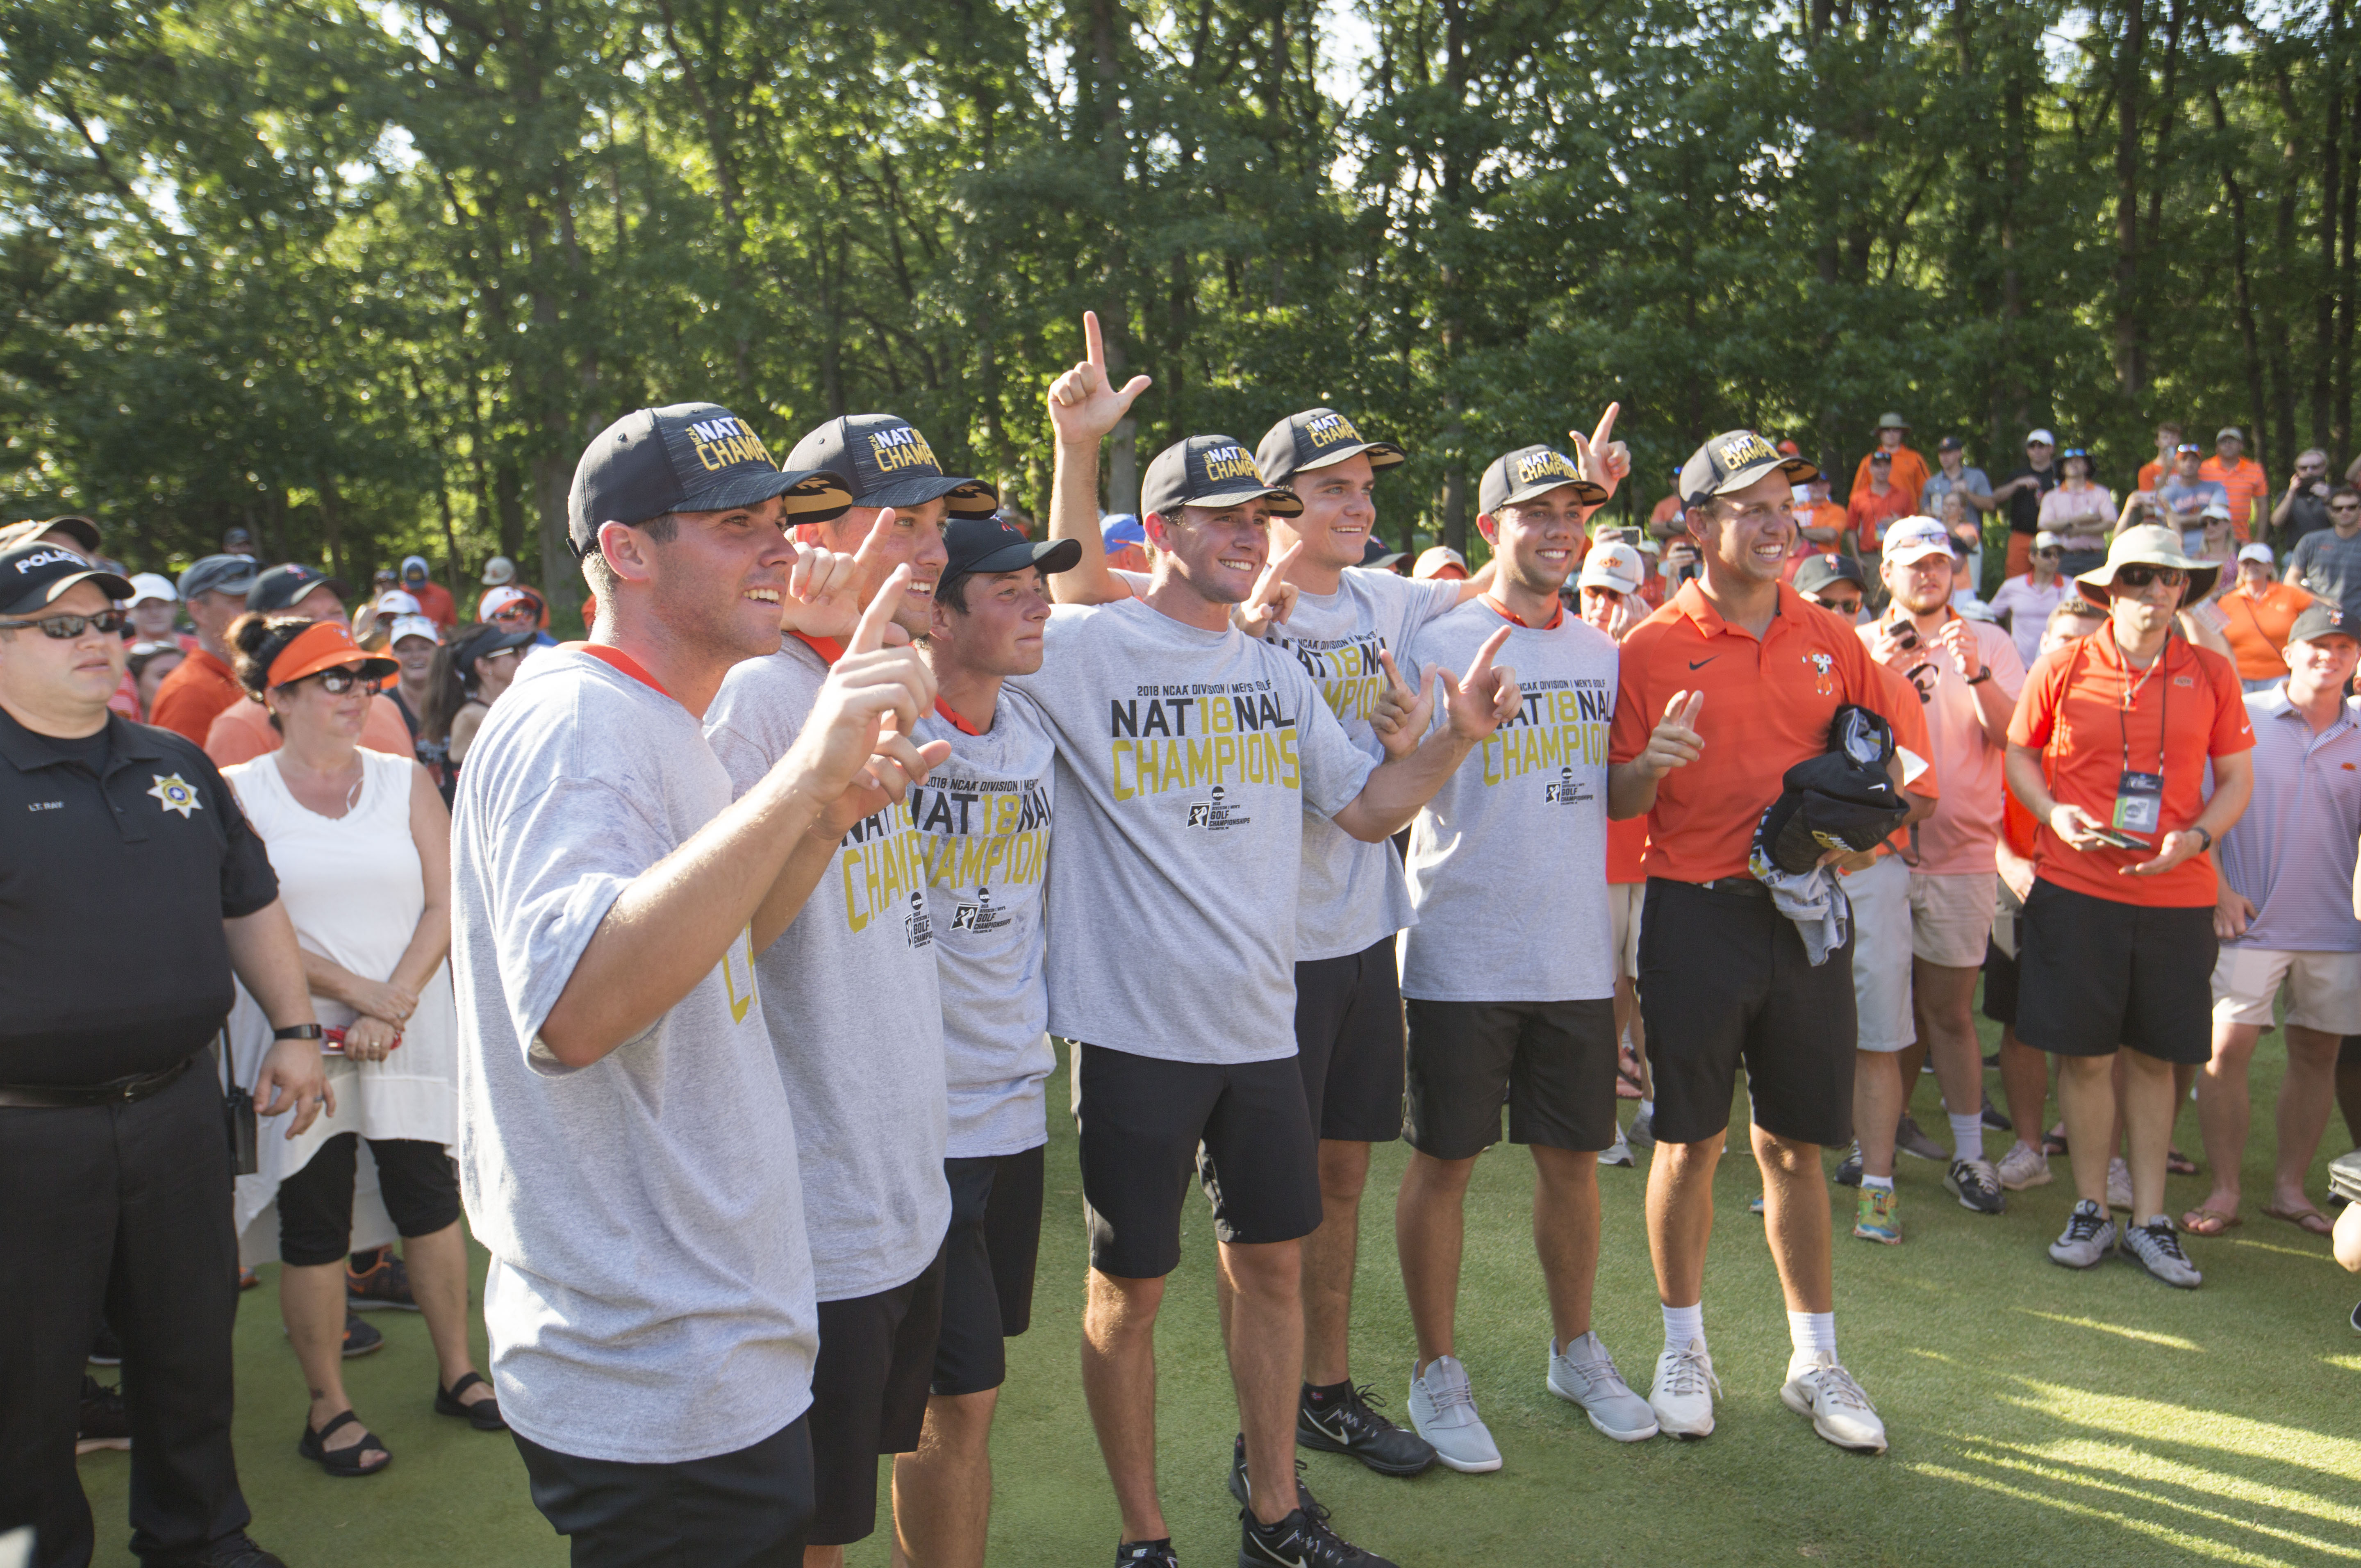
988,544
282,586
1735,459
686,457
217,575
1531,471
1315,439
890,465
33,575
1214,472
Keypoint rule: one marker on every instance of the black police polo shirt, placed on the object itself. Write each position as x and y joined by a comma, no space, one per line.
112,896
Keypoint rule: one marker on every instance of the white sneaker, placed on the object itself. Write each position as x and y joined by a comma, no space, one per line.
1818,1388
1619,1153
1443,1408
2025,1166
1585,1375
2119,1184
1683,1398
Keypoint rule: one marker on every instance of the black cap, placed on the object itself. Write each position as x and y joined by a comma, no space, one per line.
686,457
282,586
1531,471
485,640
988,544
237,536
217,575
33,575
1735,459
2322,618
1315,439
1817,573
1951,443
890,465
1212,471
1375,556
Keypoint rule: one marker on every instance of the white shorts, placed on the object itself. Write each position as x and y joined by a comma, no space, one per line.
2323,989
1880,954
1623,902
1952,916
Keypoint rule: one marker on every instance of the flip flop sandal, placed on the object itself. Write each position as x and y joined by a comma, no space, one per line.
2053,1142
2308,1219
342,1462
484,1415
2208,1221
2179,1164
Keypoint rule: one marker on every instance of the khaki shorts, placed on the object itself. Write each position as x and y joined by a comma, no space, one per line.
1950,916
1880,954
2323,989
1623,902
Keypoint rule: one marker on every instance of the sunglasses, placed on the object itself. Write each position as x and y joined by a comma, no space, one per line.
65,627
517,613
2141,577
336,683
2051,555
2345,506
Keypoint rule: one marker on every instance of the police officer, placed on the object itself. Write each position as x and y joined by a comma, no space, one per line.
130,889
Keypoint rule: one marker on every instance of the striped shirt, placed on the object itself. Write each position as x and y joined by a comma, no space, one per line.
2293,853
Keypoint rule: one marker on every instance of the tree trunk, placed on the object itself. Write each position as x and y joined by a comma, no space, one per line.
2130,75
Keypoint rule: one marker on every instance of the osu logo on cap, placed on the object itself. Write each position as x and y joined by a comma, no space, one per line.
721,443
900,446
1328,429
1744,448
1231,463
1544,464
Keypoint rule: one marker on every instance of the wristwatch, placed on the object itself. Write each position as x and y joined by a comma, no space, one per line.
2205,834
297,1032
1981,679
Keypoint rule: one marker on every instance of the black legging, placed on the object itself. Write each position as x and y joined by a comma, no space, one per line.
419,1182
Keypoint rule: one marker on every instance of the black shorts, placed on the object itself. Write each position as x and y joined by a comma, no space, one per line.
1724,978
417,1180
2094,974
1552,1062
1348,1042
868,1397
2000,984
988,1262
1143,1122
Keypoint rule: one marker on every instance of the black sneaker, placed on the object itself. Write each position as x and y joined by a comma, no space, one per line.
104,1422
237,1551
1910,1140
1146,1554
1976,1185
385,1283
360,1338
1995,1118
1848,1167
1302,1540
1240,1488
105,1350
1351,1425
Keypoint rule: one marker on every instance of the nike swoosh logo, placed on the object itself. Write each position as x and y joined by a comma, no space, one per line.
1701,664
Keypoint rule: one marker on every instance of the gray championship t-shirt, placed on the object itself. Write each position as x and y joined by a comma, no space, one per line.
1526,810
983,834
849,989
1353,893
1187,760
650,1296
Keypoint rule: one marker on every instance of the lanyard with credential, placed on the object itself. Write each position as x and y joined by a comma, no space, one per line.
2139,797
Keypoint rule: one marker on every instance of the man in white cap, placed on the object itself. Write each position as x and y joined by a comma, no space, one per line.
2023,491
499,572
2257,612
1440,561
153,605
2024,602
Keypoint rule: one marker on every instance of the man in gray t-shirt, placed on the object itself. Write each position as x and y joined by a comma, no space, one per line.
1188,756
2327,565
627,1154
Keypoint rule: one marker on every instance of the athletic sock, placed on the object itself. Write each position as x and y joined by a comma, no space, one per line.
1880,1183
1682,1324
1968,1135
1811,1332
1328,1393
1647,1107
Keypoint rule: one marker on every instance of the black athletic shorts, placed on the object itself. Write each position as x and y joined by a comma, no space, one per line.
868,1397
1349,1042
1143,1122
1724,978
2094,974
988,1261
418,1182
2000,984
1552,1062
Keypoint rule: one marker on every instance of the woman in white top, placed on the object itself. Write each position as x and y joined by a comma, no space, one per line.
2079,512
362,843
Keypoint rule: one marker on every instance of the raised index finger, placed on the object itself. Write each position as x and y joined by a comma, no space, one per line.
1274,571
1606,425
870,635
1482,665
874,540
1093,342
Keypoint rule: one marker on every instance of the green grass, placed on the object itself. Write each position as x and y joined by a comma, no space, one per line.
2037,1415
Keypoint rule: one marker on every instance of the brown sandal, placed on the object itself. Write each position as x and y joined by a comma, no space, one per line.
2308,1219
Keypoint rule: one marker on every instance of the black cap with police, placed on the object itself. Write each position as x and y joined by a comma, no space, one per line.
1531,471
1733,460
1211,471
1315,439
890,465
32,576
686,457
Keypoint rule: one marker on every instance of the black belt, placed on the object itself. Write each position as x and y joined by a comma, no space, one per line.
69,1096
1744,886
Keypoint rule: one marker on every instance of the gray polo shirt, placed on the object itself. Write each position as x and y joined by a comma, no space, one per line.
2327,565
2292,853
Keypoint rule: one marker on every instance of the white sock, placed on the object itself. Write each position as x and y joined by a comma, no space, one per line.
1647,1107
1811,1332
1881,1183
1682,1324
1968,1136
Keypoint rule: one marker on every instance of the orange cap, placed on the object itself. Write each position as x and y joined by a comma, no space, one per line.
326,645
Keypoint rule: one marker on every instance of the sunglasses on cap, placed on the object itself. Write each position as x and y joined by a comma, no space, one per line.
2140,575
2190,448
65,627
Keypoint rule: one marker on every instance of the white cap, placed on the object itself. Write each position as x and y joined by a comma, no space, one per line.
2258,553
2045,540
1615,565
2042,436
412,626
498,599
394,601
499,572
1436,557
417,561
146,585
1915,539
2218,509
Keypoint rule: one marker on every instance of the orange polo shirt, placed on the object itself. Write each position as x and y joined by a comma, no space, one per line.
1871,514
1767,707
1909,474
2181,710
1669,510
2257,626
2250,492
242,732
190,697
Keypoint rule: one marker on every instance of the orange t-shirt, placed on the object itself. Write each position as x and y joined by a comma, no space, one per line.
2250,492
434,604
243,732
1667,510
1627,850
1909,474
2257,626
2151,475
1767,707
193,697
2073,711
1870,514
